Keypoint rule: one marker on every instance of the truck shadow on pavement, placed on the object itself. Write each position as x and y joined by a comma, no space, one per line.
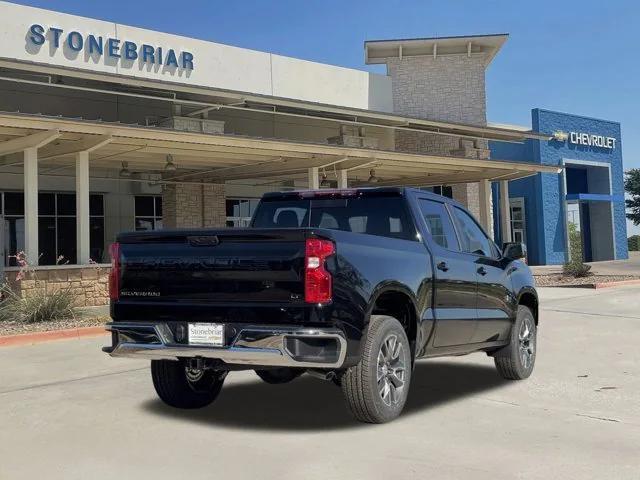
311,404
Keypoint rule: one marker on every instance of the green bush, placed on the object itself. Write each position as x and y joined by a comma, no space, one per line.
576,269
36,307
634,243
575,243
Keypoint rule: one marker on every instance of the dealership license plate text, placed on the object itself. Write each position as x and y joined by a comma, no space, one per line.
211,334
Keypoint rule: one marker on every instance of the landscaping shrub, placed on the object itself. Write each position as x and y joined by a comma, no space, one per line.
576,269
39,306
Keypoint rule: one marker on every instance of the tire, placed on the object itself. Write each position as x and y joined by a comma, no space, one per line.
376,388
517,359
277,376
180,387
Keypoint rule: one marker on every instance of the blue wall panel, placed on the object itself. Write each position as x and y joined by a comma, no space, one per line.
544,202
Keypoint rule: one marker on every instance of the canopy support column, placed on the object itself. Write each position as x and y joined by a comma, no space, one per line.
82,208
484,195
343,181
314,179
31,247
505,212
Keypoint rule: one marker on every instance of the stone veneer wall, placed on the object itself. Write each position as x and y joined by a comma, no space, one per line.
448,88
186,205
90,284
214,211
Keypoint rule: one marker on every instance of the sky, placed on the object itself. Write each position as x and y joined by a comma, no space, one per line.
579,57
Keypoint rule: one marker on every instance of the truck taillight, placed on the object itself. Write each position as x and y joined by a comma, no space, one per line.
114,275
317,285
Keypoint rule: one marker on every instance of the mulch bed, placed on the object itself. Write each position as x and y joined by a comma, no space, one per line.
16,328
558,280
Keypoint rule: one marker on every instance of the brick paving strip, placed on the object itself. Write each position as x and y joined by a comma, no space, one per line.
48,336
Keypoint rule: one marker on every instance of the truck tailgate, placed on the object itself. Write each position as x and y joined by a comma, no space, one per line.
213,266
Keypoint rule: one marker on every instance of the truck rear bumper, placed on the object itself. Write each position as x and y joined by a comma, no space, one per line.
254,345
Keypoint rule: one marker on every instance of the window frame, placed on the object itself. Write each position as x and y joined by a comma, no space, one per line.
154,218
3,204
518,202
453,223
492,244
55,216
244,222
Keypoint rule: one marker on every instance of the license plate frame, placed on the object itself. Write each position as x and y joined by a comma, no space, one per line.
206,334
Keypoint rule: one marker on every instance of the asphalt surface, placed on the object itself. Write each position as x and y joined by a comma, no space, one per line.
70,412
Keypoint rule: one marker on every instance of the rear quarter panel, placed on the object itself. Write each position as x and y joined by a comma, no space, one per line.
367,266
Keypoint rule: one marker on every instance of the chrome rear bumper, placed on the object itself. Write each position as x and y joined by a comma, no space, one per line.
253,345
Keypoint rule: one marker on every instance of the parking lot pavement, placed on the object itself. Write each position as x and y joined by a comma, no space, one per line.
70,412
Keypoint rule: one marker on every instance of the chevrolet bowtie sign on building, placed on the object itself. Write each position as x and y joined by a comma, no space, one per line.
585,139
590,140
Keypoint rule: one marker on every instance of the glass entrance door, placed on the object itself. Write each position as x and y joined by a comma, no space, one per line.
518,220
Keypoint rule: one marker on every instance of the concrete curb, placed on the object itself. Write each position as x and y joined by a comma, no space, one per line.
621,283
596,286
51,335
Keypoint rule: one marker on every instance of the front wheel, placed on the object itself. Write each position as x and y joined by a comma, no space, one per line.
376,388
517,359
180,386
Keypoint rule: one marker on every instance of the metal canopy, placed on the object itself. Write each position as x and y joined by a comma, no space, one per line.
218,158
197,100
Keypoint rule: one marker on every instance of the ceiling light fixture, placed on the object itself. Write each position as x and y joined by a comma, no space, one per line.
124,171
325,182
170,166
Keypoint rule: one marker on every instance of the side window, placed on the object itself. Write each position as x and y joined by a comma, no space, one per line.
439,224
472,238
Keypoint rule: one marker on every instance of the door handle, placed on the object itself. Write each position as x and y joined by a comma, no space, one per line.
442,266
482,271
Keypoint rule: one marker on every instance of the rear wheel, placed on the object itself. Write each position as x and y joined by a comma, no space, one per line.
376,388
279,375
180,386
517,359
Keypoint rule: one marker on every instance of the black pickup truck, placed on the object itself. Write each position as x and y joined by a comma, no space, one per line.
352,286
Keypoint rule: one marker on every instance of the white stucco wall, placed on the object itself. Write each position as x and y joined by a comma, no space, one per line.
215,65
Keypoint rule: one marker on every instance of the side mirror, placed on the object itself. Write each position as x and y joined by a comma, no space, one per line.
514,251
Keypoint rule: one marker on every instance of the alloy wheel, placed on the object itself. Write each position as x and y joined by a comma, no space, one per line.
526,342
391,370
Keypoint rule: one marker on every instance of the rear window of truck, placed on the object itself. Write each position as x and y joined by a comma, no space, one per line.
382,216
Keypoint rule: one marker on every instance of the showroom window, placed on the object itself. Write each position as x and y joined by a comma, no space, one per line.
148,212
444,190
12,209
240,211
56,227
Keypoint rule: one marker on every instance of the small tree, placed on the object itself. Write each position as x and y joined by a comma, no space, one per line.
632,186
634,243
575,267
575,243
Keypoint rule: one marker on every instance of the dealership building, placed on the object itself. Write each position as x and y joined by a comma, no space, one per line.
107,128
